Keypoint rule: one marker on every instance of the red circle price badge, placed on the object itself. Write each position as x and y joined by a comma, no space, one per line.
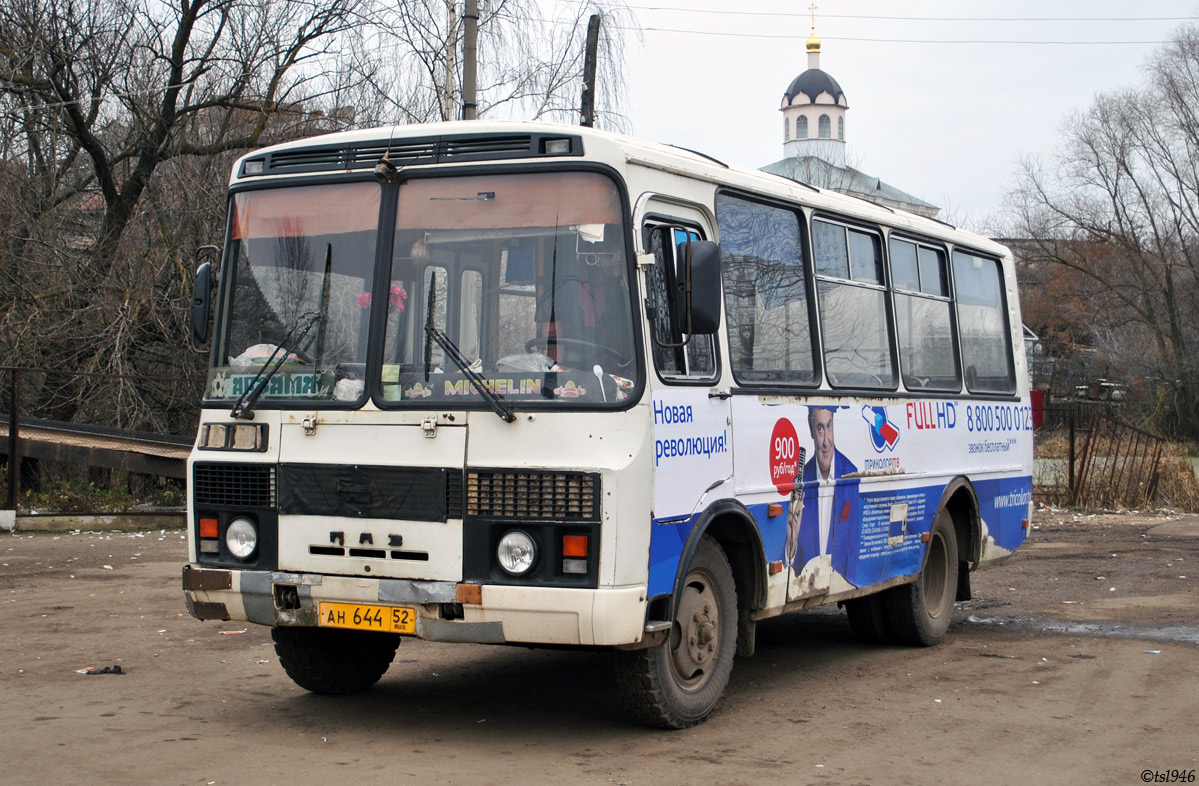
784,456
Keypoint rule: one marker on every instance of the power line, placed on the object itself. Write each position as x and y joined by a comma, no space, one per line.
885,18
872,40
886,40
970,41
319,56
790,14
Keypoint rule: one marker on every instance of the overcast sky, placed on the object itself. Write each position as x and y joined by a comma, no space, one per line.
947,122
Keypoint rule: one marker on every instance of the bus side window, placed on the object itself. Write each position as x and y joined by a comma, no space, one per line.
982,324
765,293
928,355
853,307
697,359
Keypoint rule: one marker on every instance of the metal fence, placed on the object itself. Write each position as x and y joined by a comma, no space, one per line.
1102,462
135,423
1118,466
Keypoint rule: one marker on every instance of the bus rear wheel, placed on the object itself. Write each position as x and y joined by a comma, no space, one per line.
678,683
336,662
918,614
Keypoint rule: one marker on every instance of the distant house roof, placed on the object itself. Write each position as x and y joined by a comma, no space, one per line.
847,180
812,83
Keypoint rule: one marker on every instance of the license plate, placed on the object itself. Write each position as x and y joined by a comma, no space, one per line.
358,616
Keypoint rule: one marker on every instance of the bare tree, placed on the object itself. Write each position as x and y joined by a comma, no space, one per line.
107,109
128,85
528,66
1118,214
119,120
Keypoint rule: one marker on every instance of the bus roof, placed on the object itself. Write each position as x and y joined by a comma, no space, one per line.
617,149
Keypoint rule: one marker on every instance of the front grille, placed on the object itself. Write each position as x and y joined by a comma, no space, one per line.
545,496
239,485
365,491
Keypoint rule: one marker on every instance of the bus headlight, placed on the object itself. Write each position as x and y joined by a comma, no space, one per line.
241,538
517,552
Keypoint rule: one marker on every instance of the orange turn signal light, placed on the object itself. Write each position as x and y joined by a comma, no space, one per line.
209,528
774,509
574,545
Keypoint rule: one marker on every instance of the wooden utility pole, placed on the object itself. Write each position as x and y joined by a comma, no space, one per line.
470,45
14,439
587,111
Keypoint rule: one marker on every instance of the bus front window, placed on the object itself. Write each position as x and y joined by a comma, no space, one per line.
526,275
302,262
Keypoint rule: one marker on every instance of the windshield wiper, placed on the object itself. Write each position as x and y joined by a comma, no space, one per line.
476,381
429,323
242,409
323,308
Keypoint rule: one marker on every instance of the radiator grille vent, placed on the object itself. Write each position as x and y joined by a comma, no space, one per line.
410,152
398,154
324,159
487,146
548,496
240,485
453,494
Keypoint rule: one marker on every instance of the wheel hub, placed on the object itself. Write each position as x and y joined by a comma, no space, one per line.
699,627
937,592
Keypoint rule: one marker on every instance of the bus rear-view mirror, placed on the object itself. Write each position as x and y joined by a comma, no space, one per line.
202,295
697,287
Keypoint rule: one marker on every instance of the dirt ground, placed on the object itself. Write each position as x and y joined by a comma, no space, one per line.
1077,662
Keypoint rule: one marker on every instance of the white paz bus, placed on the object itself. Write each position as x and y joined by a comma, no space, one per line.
521,383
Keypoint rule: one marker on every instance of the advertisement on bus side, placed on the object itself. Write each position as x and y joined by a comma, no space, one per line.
841,490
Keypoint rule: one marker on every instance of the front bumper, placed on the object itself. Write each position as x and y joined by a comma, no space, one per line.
446,611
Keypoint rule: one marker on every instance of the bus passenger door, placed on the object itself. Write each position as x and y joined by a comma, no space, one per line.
693,463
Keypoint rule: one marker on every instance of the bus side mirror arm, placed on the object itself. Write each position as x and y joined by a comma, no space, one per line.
202,294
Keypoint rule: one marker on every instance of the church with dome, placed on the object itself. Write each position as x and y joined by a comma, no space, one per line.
814,111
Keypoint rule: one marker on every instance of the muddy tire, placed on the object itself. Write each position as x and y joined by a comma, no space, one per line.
868,619
918,614
336,662
678,683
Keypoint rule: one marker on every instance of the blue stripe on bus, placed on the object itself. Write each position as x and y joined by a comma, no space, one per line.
1003,504
869,553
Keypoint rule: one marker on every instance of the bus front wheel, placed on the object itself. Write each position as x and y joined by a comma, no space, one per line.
918,614
678,683
337,662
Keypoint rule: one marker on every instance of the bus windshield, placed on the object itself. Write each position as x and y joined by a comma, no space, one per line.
517,284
